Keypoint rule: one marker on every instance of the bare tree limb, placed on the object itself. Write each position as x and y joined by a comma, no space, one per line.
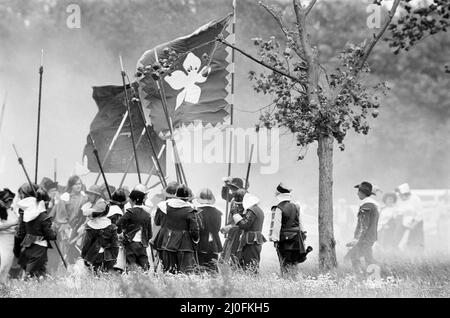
368,49
310,6
277,17
378,36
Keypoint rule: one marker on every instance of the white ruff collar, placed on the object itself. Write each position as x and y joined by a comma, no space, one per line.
178,203
99,223
284,197
249,201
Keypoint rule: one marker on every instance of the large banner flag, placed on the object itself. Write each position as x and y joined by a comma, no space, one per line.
111,105
198,89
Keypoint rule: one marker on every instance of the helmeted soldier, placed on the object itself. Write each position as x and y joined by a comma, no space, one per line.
233,233
366,228
251,222
287,230
178,241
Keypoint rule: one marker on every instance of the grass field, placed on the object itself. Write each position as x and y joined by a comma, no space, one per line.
399,277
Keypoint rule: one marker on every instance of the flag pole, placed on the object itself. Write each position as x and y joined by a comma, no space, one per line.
233,32
2,114
41,71
129,117
111,145
178,166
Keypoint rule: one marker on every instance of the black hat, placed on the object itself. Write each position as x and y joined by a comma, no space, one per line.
6,195
184,193
237,183
282,189
48,184
365,187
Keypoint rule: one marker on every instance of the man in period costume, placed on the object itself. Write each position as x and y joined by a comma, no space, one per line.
287,231
366,228
136,225
38,233
409,206
100,243
182,234
233,233
251,222
210,245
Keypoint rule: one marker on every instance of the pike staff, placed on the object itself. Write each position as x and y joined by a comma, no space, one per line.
100,165
154,164
249,166
41,71
127,101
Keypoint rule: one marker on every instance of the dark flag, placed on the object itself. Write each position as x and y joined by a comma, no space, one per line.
198,90
111,109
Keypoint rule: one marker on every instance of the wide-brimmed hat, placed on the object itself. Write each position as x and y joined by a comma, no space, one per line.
48,184
6,195
281,188
236,183
206,197
94,189
184,193
365,187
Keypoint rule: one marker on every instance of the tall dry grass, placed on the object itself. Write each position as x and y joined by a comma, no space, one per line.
400,276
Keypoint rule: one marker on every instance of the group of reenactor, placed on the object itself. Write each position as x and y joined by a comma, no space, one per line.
115,229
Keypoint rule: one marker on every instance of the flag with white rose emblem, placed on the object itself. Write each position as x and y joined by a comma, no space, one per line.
198,88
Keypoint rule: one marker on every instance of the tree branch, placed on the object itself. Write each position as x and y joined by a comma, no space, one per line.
369,49
277,17
261,62
310,6
378,36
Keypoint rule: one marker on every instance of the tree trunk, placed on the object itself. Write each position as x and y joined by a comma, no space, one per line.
327,252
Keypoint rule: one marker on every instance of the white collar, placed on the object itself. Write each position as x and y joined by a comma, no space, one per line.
31,208
284,197
178,203
162,206
249,200
99,223
368,200
113,210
